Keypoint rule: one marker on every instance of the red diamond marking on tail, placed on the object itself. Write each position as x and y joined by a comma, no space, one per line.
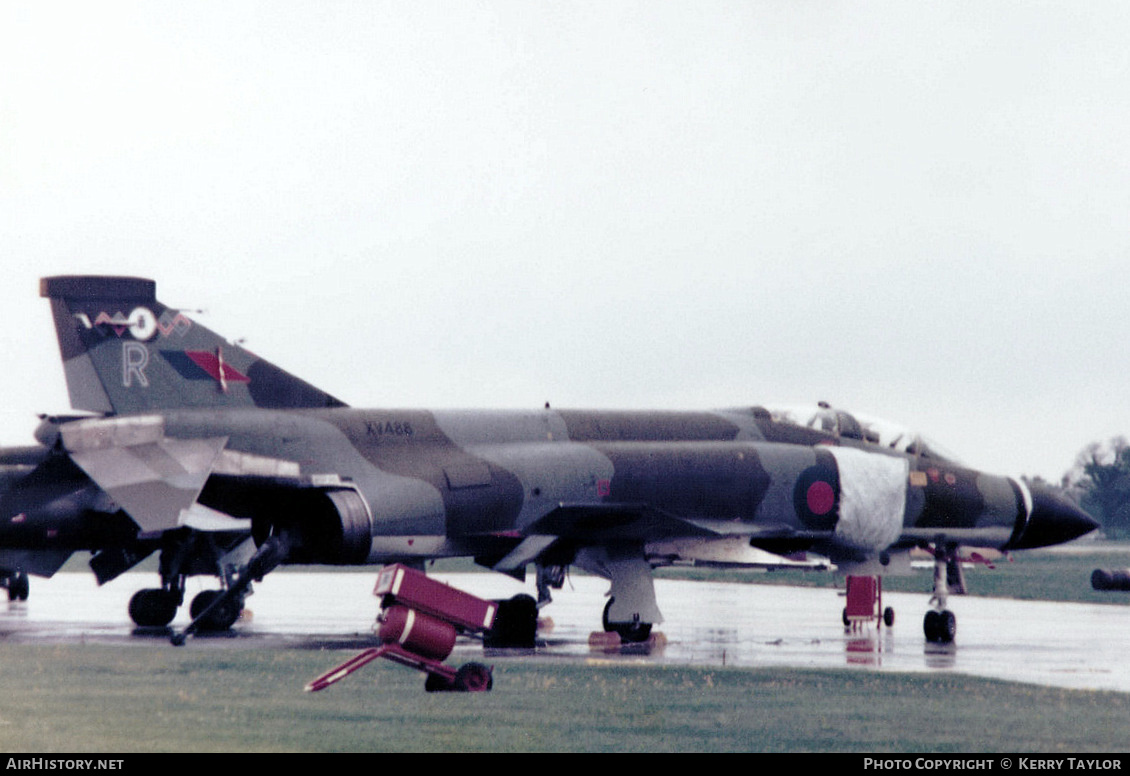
219,371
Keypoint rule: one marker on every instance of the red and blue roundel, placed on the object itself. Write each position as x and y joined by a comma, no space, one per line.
816,497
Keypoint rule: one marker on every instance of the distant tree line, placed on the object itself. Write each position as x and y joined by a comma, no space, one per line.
1099,482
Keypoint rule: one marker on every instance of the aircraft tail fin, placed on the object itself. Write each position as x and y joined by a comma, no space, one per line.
125,352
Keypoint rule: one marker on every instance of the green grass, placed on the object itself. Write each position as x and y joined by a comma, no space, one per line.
91,698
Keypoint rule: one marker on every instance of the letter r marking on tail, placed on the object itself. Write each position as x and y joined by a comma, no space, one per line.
135,357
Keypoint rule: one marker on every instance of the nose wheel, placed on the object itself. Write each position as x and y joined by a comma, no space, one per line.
940,627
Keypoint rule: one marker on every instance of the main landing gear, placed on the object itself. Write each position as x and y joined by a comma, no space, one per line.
212,610
515,624
629,632
216,616
155,607
631,610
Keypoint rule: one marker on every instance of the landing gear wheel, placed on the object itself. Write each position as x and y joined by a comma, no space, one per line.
847,622
220,619
888,616
18,587
949,626
153,608
629,632
436,683
472,677
515,624
940,627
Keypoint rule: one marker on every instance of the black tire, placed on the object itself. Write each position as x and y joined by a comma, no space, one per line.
1101,580
940,627
18,587
436,683
931,626
153,608
847,622
219,619
948,627
515,624
473,677
888,616
629,632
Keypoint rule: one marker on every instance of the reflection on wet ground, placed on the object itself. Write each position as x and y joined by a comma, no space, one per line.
707,623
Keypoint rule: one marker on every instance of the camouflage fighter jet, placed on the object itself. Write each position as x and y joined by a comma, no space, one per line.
228,465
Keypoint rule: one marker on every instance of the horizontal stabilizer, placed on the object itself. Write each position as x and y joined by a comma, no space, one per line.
153,478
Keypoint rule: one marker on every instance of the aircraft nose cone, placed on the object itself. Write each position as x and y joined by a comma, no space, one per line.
1054,520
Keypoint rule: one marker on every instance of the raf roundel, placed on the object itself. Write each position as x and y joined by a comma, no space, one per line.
816,495
821,498
142,323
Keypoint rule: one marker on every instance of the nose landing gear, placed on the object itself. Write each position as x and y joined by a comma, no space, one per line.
940,624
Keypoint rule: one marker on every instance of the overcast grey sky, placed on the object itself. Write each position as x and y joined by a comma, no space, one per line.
916,210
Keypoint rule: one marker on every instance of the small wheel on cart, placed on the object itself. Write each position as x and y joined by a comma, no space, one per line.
473,677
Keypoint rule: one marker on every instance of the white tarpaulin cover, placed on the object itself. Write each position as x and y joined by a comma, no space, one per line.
872,497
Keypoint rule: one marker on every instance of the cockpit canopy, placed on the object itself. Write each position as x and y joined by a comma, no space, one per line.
876,431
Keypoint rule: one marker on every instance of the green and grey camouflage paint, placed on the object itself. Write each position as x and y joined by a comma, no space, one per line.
192,424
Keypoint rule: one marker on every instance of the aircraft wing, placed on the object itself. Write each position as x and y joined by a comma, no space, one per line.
602,523
42,563
669,539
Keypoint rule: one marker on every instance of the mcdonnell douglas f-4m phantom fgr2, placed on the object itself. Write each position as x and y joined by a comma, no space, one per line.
227,465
